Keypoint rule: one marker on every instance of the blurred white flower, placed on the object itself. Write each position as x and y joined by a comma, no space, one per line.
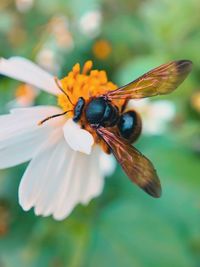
65,168
47,60
58,40
59,27
25,96
155,114
24,5
90,23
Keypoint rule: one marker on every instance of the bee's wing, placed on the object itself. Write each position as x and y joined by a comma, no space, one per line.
159,81
137,167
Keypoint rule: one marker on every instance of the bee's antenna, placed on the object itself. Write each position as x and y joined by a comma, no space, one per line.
53,116
61,89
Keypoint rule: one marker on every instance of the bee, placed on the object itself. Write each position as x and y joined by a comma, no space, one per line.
120,128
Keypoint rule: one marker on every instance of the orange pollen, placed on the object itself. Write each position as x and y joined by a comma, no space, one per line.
86,84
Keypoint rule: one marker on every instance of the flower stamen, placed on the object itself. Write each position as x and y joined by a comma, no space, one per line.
76,69
61,89
87,67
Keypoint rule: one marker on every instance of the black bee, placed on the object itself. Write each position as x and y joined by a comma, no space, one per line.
119,129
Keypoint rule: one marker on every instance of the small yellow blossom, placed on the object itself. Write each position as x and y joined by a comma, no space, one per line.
102,49
195,101
25,94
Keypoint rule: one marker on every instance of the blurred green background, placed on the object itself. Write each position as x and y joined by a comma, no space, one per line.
124,226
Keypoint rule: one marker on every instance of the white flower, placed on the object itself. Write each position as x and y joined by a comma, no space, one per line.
155,114
65,168
25,96
24,5
47,60
90,23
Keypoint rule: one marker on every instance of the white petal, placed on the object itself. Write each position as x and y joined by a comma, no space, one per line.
50,190
36,110
77,138
107,164
37,173
21,148
38,113
58,178
20,136
56,186
138,104
163,110
94,181
25,120
83,181
26,71
71,186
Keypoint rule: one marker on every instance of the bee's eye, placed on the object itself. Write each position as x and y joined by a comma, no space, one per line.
130,125
78,109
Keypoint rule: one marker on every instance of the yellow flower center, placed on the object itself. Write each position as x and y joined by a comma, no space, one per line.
86,84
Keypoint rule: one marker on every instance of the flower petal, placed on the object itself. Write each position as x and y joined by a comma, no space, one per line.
71,187
163,110
82,182
57,184
19,130
58,178
94,180
38,173
25,118
21,148
77,138
50,187
26,71
155,114
107,164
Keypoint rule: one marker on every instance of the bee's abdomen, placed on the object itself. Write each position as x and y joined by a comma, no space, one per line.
130,126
